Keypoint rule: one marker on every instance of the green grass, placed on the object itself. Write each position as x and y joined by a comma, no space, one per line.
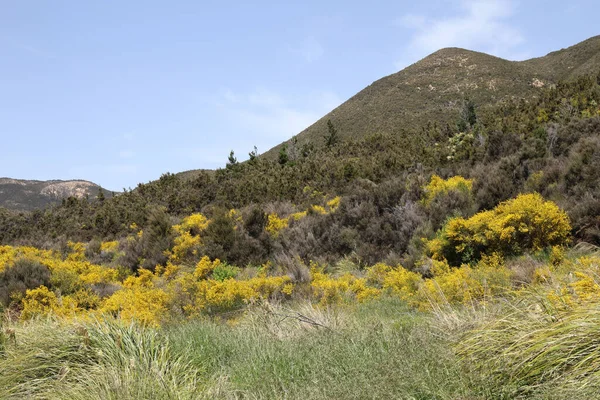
380,350
376,350
529,354
39,356
133,363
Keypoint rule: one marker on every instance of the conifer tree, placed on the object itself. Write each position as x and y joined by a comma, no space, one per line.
283,155
253,155
332,135
231,160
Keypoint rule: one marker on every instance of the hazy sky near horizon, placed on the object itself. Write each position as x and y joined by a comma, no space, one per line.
119,92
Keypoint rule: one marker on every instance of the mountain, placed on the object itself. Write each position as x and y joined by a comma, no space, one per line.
27,195
433,90
547,140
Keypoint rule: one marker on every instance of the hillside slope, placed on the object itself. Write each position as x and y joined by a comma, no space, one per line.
434,88
27,195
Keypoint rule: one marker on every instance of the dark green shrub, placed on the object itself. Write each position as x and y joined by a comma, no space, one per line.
150,249
24,274
219,237
495,182
500,144
255,222
92,249
585,217
583,173
453,204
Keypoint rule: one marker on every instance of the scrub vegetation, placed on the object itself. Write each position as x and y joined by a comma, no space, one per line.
454,261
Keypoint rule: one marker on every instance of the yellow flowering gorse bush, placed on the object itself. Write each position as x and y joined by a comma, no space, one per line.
276,224
524,223
438,187
210,286
188,237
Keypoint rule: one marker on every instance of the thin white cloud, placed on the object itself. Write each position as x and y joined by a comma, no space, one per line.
209,156
310,49
482,25
266,115
412,21
230,96
262,118
265,98
281,123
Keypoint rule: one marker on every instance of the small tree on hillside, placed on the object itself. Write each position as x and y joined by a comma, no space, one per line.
253,156
100,196
283,155
332,135
231,160
468,117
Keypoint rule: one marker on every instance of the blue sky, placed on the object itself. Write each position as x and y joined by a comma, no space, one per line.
119,92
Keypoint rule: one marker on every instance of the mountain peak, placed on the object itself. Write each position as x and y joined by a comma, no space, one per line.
433,89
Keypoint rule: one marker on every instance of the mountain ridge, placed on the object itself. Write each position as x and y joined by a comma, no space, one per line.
433,88
430,90
31,194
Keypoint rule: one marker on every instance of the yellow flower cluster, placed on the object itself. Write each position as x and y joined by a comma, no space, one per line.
334,203
438,186
524,223
151,298
298,216
466,284
275,224
184,290
318,209
205,267
195,222
328,290
109,247
188,237
39,301
447,286
572,283
142,304
235,215
197,292
42,301
76,251
75,267
404,284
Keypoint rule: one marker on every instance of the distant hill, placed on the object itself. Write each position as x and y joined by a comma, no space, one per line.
27,195
434,88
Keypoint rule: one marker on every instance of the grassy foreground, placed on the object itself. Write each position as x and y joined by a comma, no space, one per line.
376,350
